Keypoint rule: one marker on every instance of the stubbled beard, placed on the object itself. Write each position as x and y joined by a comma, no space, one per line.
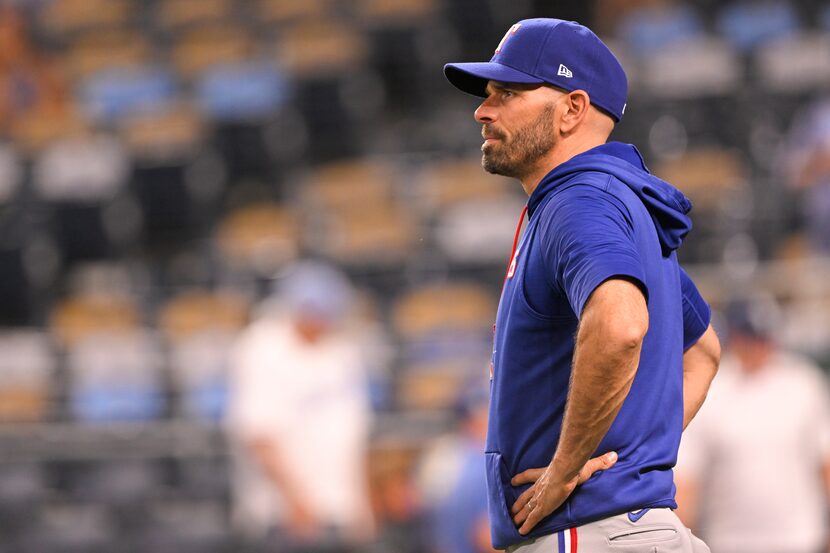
519,155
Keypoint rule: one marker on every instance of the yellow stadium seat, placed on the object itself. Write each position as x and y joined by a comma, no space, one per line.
438,307
168,134
208,45
70,16
259,238
320,47
705,175
78,317
284,11
390,12
172,15
199,311
454,181
107,49
348,185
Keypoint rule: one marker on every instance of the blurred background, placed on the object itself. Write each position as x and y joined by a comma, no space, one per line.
164,165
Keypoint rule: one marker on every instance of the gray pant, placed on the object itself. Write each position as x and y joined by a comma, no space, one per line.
655,531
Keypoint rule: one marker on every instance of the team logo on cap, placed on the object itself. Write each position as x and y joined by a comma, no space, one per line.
510,32
564,71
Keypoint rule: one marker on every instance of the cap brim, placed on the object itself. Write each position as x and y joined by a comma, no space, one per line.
472,77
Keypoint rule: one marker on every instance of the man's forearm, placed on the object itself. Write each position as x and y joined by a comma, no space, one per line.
606,357
700,364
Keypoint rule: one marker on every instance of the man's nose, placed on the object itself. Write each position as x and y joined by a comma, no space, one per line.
485,113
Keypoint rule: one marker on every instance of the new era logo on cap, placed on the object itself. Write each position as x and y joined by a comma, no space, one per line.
564,71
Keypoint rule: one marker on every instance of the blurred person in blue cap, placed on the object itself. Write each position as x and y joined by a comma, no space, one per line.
754,466
603,351
452,483
299,413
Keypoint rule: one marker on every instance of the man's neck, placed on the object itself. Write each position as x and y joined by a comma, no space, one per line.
559,154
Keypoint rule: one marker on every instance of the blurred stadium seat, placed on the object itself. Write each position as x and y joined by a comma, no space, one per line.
258,239
200,328
173,16
280,12
74,318
794,64
699,67
27,372
444,330
200,48
107,49
116,377
747,25
77,180
242,91
650,29
68,17
112,94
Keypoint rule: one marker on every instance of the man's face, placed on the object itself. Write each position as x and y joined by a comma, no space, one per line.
518,126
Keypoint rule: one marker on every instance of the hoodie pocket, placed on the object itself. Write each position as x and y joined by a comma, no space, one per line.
502,530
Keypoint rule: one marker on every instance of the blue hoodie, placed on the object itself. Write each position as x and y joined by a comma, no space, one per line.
597,216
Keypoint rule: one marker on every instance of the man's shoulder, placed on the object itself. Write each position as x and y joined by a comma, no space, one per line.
586,182
586,192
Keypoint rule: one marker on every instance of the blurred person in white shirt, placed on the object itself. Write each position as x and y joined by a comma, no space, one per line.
753,473
299,415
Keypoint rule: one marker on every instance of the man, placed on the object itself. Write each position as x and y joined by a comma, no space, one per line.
299,412
754,468
595,313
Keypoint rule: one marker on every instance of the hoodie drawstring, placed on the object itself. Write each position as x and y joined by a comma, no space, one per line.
515,243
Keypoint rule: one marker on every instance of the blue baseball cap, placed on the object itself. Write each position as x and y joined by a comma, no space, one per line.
562,53
317,289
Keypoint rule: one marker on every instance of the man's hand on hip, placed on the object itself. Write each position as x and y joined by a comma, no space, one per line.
548,491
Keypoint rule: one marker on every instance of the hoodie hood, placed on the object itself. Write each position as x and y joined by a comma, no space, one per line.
667,206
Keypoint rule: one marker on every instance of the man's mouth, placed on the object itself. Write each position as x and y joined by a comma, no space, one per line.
490,136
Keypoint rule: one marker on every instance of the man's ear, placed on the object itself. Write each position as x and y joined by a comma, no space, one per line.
577,104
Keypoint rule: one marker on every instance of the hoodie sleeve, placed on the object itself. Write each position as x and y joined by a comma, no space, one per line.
588,238
696,312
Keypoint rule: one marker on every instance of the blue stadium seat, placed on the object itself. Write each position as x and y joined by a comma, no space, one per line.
200,368
747,25
647,30
112,94
116,377
243,91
